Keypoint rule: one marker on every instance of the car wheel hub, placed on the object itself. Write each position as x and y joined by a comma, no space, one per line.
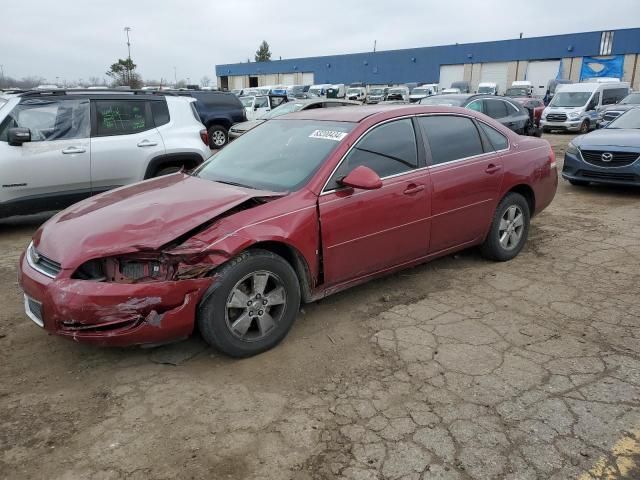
511,228
218,138
255,306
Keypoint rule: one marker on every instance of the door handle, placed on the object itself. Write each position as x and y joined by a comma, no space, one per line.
72,150
491,168
147,143
413,188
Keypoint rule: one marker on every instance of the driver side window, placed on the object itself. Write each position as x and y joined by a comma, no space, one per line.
49,120
388,150
594,102
261,102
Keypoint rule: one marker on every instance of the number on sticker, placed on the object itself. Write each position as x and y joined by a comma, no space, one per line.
328,135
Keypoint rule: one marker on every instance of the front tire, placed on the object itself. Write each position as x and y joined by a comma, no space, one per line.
252,305
585,127
509,229
218,136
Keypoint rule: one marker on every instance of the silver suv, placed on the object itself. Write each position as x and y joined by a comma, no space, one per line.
58,147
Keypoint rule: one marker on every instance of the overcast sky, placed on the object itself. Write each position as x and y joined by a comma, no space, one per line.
73,39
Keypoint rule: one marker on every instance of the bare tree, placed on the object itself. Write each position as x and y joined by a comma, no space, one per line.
205,81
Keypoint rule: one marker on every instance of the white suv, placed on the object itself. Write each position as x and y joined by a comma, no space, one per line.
58,147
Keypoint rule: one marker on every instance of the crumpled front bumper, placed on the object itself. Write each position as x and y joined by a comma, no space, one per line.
112,314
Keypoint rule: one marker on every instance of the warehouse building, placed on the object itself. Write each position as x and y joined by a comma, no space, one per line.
575,56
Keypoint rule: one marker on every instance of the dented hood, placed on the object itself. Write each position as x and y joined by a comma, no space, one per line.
143,216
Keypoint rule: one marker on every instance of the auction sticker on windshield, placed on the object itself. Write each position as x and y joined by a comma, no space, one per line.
328,135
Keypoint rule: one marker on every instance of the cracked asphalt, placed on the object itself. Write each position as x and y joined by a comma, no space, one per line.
455,370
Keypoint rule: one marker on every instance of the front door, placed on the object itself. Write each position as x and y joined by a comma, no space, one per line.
466,176
123,141
51,171
369,231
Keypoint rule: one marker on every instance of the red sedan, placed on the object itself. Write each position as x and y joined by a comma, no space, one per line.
534,105
299,208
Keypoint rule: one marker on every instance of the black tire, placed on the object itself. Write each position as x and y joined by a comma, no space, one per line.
585,127
218,136
579,183
492,248
213,311
168,170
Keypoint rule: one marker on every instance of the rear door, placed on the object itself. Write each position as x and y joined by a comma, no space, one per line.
124,140
369,231
53,169
466,174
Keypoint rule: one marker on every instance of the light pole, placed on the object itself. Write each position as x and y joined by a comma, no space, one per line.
127,30
1,75
175,77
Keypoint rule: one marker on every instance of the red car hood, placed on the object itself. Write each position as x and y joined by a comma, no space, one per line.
143,216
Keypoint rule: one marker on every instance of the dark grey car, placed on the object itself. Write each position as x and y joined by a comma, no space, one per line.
289,107
504,110
611,112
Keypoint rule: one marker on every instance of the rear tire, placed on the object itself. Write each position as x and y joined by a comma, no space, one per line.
252,304
218,136
509,229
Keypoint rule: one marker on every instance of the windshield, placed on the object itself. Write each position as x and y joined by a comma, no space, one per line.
570,99
282,110
280,155
247,102
486,89
353,91
517,92
629,119
296,89
397,91
632,99
316,91
376,91
420,91
442,100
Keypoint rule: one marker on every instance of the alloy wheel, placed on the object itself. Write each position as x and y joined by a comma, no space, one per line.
511,227
255,306
218,138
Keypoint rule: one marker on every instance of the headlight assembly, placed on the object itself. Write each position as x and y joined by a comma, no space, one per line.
574,115
572,149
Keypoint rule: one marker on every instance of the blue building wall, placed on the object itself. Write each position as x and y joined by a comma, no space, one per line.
423,64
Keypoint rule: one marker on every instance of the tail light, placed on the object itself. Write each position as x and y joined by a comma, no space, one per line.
204,136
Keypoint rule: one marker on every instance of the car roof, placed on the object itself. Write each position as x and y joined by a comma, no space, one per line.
360,113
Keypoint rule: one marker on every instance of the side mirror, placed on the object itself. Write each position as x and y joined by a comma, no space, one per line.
17,136
363,178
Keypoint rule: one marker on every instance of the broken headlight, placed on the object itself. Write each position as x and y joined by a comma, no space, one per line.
125,269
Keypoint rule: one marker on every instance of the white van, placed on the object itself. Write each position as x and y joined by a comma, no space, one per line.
357,93
423,91
520,88
320,90
488,88
575,106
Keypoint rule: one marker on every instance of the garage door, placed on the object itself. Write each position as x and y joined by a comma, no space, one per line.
236,82
450,74
287,79
496,73
307,78
539,74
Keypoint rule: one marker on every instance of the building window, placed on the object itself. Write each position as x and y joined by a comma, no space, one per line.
606,43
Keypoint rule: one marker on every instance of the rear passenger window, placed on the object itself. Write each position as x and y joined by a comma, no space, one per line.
451,138
160,112
388,150
495,108
498,141
612,96
122,117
